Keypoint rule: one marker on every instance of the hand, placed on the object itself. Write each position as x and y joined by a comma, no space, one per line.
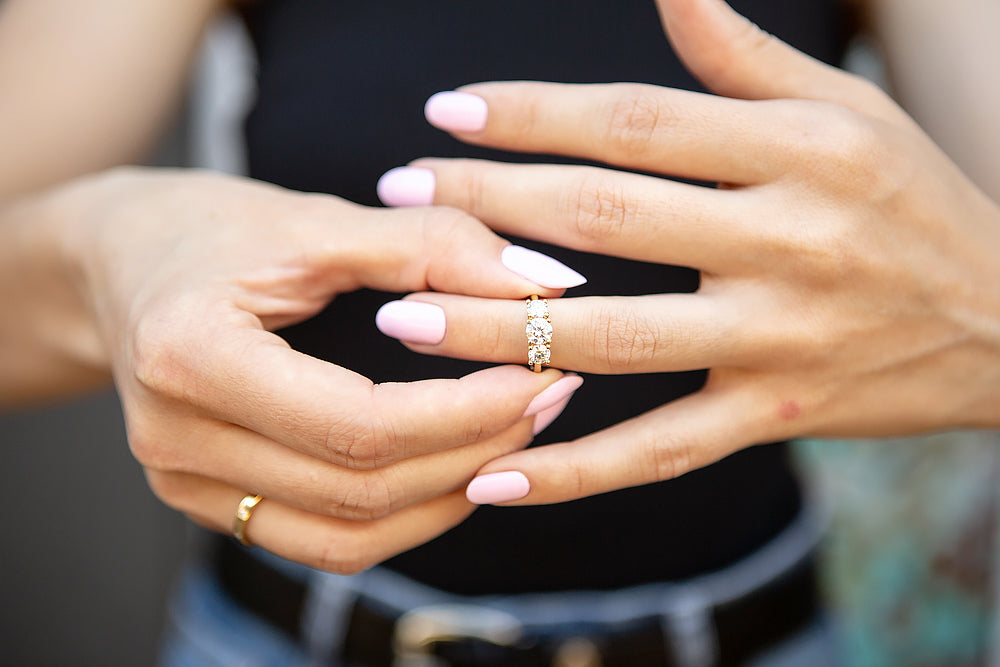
850,273
185,274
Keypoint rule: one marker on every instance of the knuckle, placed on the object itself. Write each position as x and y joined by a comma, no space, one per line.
841,144
531,106
670,458
171,489
366,498
156,363
344,554
627,337
826,254
850,141
447,230
167,357
470,188
152,450
601,208
368,439
352,444
634,118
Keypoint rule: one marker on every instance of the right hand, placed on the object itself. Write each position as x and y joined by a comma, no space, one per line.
185,274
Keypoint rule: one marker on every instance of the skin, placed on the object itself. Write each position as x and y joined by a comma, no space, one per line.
170,282
850,271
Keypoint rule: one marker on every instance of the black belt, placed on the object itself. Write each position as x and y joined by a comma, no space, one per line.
743,627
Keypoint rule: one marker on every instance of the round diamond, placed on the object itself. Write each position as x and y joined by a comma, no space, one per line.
538,308
538,355
539,331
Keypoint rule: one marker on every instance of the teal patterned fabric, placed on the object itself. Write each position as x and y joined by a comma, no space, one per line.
910,561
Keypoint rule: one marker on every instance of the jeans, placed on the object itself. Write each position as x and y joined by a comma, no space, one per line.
207,629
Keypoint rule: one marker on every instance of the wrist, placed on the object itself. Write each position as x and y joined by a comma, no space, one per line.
49,343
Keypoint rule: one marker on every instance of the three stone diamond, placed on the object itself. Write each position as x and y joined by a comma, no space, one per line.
539,332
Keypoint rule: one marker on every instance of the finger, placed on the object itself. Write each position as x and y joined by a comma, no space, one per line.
644,127
252,378
247,460
335,545
646,334
609,212
662,444
438,249
734,57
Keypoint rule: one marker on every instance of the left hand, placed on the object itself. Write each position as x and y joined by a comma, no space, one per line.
850,272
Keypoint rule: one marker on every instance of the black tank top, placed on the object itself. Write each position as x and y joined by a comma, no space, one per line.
341,93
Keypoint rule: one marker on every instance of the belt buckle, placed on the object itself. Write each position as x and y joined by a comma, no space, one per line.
418,630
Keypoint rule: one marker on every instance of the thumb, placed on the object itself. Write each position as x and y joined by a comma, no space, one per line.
734,57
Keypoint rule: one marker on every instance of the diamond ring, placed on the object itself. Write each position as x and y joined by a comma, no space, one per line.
539,331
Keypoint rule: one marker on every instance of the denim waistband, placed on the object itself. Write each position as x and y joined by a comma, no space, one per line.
684,606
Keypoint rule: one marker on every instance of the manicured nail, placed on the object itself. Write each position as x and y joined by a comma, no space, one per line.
539,268
452,111
555,392
412,321
499,487
544,418
406,186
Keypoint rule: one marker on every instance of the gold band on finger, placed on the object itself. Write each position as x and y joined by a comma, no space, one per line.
243,513
539,332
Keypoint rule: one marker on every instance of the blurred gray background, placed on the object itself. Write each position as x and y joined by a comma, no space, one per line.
87,551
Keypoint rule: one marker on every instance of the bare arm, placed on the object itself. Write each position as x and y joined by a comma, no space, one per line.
85,86
942,59
88,84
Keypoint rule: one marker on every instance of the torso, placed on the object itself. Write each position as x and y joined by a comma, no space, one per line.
342,87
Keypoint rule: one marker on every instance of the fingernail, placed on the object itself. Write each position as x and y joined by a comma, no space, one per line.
544,418
499,487
452,111
412,321
406,186
555,392
539,268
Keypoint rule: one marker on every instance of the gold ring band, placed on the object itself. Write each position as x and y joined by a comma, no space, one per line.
539,332
243,513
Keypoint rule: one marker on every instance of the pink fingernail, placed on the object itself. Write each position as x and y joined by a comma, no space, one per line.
539,268
499,487
555,392
406,186
544,418
452,111
412,321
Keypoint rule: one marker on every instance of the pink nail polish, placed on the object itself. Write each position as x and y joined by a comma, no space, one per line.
539,268
412,321
499,487
453,111
555,392
406,186
545,418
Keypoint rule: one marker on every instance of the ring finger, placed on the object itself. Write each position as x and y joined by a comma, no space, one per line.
645,334
327,543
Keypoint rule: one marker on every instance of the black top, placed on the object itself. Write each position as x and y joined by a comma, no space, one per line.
342,87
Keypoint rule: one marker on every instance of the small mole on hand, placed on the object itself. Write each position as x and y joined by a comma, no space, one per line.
789,410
